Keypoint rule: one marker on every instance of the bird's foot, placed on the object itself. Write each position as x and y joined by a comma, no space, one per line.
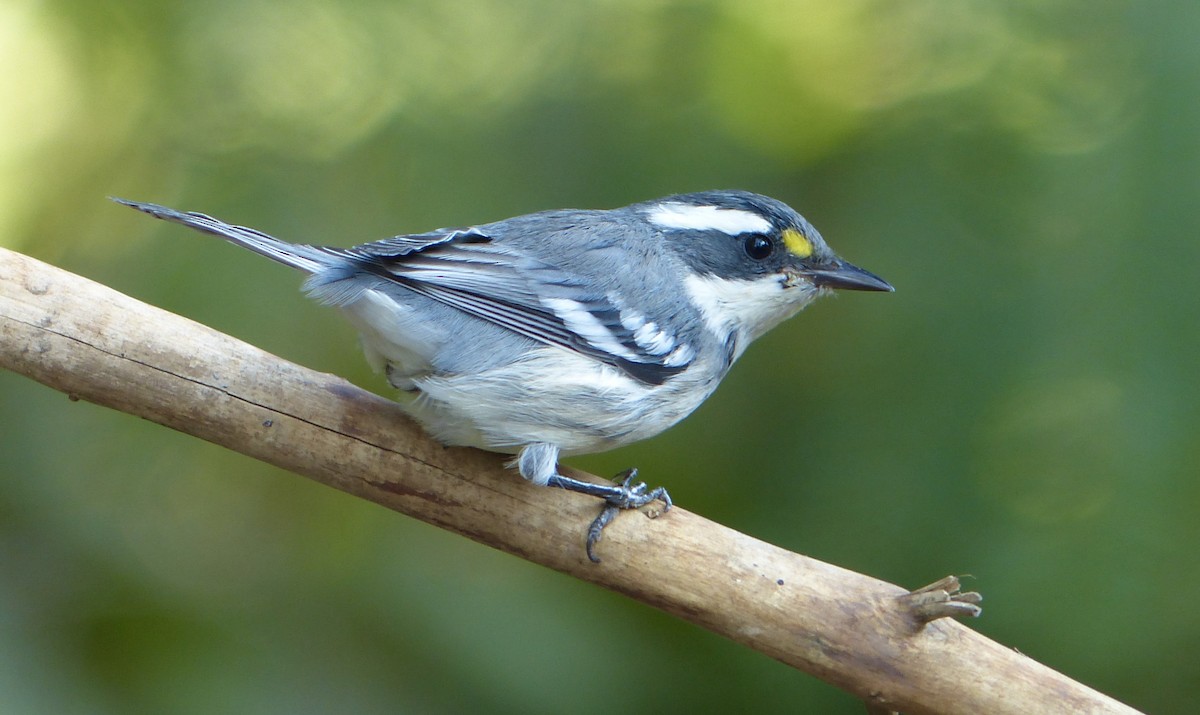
617,498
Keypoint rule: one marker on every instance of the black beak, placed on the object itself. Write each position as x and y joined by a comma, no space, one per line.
845,276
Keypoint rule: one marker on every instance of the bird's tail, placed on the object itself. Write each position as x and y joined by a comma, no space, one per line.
309,259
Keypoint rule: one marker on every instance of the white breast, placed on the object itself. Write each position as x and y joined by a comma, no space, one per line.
556,396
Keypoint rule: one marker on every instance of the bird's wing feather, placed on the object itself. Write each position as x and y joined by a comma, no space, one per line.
488,279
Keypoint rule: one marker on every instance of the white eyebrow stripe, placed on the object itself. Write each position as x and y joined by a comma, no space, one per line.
734,222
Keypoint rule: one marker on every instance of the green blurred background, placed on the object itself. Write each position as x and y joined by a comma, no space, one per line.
1023,409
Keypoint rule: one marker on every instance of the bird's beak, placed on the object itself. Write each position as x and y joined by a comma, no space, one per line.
846,276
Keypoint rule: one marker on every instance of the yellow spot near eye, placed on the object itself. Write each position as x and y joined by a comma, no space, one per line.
796,243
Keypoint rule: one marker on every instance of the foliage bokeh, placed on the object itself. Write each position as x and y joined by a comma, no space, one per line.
1023,408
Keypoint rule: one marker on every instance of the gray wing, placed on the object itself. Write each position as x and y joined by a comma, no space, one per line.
468,270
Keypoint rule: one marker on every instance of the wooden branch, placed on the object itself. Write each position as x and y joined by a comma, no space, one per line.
860,634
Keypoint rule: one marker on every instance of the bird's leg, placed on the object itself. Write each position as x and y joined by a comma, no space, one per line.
538,462
617,497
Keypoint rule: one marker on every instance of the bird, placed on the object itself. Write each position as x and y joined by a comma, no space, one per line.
567,331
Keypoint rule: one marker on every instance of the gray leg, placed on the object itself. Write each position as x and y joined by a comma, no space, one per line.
539,464
626,495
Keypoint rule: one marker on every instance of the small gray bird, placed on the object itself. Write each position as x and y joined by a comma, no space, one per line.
571,331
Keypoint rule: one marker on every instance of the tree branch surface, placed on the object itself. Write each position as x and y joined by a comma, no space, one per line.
858,633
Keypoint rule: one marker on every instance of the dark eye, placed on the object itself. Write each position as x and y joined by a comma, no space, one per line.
758,246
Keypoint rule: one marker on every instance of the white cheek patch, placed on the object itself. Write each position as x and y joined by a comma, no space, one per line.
708,218
748,307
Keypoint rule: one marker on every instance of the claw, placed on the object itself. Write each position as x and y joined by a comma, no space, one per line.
625,495
628,496
607,514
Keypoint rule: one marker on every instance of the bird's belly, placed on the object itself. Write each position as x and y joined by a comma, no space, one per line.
554,396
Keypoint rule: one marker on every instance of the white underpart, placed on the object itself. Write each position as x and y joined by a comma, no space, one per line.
579,321
392,333
708,218
537,462
746,307
551,396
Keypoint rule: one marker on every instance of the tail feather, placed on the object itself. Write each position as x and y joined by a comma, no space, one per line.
309,259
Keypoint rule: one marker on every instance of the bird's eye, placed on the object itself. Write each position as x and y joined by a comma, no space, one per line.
758,246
